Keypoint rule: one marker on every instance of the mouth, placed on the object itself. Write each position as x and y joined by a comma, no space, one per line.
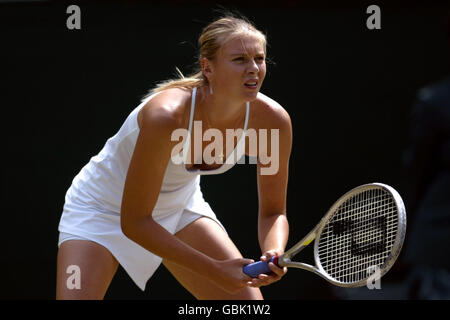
251,84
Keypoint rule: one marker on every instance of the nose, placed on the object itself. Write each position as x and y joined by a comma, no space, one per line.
253,67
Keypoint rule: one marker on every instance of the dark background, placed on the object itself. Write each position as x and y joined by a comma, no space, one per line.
348,90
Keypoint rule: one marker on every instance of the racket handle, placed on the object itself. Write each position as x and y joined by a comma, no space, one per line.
256,268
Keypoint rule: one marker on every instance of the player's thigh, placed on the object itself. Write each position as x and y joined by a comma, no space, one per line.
207,236
93,263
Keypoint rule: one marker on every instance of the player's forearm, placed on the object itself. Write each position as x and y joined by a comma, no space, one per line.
153,237
273,232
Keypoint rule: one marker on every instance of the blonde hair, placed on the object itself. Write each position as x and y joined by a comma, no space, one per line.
210,41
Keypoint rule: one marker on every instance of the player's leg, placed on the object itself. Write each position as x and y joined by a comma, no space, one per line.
205,235
97,267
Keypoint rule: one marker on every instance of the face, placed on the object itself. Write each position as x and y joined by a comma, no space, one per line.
238,69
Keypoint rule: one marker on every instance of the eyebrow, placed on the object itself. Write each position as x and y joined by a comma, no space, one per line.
245,54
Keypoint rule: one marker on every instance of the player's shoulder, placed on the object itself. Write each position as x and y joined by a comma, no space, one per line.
166,109
271,112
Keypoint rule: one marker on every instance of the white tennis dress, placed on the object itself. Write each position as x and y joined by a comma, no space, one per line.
93,201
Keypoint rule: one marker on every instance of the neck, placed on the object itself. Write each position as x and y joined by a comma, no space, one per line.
220,110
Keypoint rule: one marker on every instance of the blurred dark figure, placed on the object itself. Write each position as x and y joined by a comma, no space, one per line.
427,244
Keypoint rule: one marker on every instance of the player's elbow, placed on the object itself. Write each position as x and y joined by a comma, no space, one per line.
126,227
129,226
133,226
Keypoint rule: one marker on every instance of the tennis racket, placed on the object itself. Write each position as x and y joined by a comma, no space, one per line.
363,231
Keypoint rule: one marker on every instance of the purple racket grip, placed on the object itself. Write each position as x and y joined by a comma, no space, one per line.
256,268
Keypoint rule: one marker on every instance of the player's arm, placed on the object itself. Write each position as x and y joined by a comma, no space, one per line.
273,228
142,186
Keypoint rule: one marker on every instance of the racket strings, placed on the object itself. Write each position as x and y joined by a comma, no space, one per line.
359,237
360,233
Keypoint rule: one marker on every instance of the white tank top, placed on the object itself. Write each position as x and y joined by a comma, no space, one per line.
100,183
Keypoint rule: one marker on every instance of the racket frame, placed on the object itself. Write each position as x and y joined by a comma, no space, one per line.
285,259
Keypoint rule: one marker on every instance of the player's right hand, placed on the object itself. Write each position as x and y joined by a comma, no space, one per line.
229,275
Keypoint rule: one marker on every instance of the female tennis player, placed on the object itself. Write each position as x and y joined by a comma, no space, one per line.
135,205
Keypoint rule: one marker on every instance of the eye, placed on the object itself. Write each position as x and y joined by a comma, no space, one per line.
239,59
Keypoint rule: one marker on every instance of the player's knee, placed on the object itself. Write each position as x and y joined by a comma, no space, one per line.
84,271
249,293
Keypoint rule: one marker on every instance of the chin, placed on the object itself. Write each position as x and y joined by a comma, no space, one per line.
251,97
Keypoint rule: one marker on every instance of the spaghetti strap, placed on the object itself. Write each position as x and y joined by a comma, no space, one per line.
187,144
194,91
247,116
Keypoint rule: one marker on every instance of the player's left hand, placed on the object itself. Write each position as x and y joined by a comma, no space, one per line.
266,279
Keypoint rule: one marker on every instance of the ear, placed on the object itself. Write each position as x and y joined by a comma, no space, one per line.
207,68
